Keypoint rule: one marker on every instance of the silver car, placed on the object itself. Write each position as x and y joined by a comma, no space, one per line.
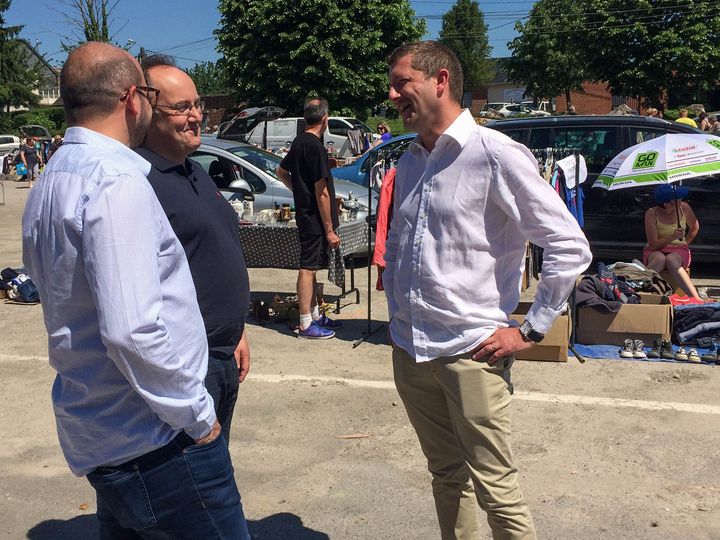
235,166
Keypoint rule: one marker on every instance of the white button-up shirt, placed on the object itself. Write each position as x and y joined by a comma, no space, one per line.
125,333
455,252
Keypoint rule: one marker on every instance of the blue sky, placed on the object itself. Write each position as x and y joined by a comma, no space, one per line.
183,28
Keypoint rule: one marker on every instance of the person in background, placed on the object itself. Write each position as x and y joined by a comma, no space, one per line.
452,280
125,333
205,224
683,118
305,170
714,128
670,228
571,109
30,157
384,130
56,144
704,121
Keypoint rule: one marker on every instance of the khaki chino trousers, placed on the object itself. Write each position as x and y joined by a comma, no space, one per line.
459,408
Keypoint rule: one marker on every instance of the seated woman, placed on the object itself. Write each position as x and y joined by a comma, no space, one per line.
384,130
670,228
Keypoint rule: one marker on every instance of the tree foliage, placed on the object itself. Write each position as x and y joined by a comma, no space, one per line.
652,48
279,53
464,31
17,76
548,56
88,20
209,78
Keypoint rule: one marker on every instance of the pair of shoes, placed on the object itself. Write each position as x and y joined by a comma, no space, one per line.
315,331
657,348
690,355
326,322
666,350
633,349
712,354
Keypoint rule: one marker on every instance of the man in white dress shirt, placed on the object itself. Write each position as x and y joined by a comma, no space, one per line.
466,200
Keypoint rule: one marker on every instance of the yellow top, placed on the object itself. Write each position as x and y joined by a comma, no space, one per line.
688,121
668,229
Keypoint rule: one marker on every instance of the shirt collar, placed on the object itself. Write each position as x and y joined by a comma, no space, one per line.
459,131
82,135
165,165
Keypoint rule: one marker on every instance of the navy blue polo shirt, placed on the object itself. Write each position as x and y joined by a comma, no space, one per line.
207,227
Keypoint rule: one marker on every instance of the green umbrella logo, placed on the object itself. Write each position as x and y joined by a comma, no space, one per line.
714,142
645,160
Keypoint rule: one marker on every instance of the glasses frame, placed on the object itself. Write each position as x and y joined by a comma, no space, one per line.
173,110
148,92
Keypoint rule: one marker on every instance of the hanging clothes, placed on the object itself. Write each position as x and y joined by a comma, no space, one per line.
384,217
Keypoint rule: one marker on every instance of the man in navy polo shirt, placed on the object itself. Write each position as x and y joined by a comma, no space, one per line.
205,224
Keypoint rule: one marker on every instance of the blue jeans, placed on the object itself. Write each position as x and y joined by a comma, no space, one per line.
222,383
179,491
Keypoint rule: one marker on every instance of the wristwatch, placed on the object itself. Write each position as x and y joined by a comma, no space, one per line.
528,332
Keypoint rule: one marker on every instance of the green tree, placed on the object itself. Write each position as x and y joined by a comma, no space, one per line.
548,56
279,53
17,76
88,20
464,31
209,77
655,48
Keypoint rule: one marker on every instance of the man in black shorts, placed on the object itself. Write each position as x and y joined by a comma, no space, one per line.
305,170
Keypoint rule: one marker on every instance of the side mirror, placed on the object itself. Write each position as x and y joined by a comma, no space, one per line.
240,194
236,186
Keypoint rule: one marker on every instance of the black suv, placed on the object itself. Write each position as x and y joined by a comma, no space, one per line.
614,220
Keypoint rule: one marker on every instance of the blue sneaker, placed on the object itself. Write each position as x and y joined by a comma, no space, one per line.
315,331
327,322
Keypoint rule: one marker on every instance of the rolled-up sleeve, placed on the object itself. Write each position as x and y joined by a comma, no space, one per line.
544,220
121,251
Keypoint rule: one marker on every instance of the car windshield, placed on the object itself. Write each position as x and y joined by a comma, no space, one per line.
265,161
357,124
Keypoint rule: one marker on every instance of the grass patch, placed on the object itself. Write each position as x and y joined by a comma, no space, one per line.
396,126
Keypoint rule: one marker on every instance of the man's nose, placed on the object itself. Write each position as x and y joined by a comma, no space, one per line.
393,94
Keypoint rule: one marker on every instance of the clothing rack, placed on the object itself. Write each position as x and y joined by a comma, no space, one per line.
547,157
387,160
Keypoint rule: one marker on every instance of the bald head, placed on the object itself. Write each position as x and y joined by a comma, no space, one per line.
93,78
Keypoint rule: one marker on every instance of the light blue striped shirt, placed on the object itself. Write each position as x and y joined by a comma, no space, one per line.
125,333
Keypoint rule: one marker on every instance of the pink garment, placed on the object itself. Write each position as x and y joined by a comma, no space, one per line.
681,249
382,229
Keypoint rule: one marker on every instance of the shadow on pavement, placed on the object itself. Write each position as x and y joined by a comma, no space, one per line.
283,526
85,527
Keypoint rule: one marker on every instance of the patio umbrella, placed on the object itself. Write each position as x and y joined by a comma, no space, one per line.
663,160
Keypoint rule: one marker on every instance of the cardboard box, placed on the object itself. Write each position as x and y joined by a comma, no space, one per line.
648,321
554,348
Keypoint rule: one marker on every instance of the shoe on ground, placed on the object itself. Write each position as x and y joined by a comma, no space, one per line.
693,356
327,322
656,349
681,354
628,350
638,349
712,354
666,350
315,331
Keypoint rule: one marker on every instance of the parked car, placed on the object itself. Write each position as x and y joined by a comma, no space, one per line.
541,105
236,166
519,109
263,127
8,143
358,171
614,220
489,110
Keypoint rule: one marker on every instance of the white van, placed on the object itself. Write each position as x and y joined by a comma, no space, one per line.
262,127
8,143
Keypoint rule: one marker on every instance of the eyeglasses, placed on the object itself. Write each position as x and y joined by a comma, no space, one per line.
148,92
184,108
380,128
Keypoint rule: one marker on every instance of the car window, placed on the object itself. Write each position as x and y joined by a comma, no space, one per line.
642,134
598,145
392,147
254,181
516,135
263,160
219,169
539,138
357,124
6,140
338,127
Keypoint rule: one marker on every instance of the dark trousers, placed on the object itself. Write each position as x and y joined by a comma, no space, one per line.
179,491
222,384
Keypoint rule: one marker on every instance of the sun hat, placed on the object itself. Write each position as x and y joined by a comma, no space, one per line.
666,193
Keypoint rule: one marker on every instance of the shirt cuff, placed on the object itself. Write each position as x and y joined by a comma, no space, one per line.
542,317
202,427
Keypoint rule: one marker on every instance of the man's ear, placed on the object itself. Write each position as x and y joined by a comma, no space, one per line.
443,81
132,105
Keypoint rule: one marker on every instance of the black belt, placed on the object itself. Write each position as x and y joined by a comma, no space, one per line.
153,458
